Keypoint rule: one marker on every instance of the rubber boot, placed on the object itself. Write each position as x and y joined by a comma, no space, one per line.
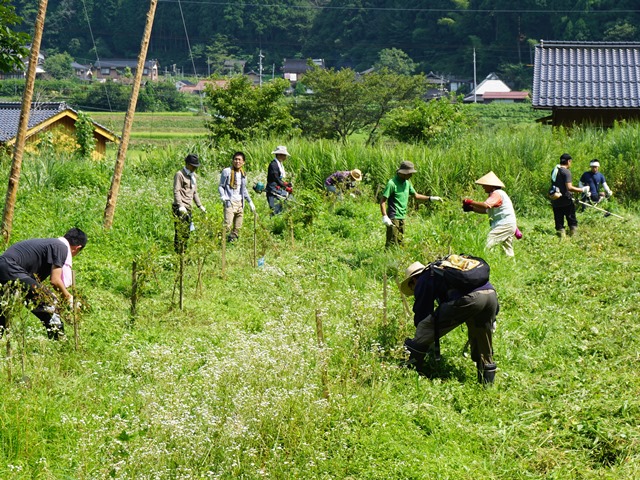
487,373
572,231
560,233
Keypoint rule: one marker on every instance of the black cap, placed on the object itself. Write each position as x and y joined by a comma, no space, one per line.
564,158
192,159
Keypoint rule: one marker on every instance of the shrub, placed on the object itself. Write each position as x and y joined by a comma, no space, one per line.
437,121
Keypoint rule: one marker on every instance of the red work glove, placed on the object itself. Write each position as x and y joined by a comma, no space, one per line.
466,205
289,190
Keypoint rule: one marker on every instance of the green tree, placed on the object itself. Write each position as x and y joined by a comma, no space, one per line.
59,66
241,111
386,91
395,61
343,102
335,109
12,44
436,121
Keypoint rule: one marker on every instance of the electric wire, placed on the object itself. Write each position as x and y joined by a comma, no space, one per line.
95,49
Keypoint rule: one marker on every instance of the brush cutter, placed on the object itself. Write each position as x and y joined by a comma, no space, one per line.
606,212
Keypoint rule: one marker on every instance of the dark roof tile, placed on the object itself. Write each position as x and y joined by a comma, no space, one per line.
586,74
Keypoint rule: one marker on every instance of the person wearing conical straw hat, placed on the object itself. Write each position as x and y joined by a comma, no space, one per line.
499,208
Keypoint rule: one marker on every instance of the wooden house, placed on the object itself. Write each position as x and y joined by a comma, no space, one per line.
46,117
587,82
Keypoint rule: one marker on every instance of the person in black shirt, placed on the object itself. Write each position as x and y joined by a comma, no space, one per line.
24,265
562,202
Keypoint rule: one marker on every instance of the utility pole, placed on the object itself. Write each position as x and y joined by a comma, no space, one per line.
112,197
23,125
260,57
475,85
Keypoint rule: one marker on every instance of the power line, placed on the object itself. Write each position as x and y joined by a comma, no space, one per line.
399,9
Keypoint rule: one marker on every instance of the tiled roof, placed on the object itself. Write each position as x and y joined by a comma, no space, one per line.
39,113
10,116
586,74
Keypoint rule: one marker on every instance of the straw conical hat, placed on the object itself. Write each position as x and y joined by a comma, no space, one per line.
490,179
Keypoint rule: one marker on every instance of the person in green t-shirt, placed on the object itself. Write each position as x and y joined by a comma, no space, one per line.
394,201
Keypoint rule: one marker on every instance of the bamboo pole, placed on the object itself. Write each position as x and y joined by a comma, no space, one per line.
23,125
255,241
181,292
112,197
74,310
324,377
223,253
134,290
385,287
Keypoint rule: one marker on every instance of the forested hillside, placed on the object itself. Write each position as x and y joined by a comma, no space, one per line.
438,35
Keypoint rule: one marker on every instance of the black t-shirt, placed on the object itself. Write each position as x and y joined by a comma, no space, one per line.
562,178
34,257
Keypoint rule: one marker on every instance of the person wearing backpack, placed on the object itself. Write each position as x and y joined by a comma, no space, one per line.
477,307
562,198
499,208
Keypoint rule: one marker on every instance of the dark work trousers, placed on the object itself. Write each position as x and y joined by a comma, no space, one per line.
395,233
477,309
38,296
182,224
275,203
568,211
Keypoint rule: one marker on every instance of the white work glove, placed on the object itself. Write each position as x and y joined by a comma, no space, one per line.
387,221
433,198
607,190
182,209
204,210
586,190
55,322
252,207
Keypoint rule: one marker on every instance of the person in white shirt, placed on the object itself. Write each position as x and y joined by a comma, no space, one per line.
233,193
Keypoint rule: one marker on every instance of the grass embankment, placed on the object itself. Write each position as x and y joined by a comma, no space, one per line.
231,386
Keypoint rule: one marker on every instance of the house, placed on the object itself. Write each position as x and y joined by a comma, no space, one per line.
22,73
180,84
587,82
231,66
492,89
83,72
201,86
294,68
254,77
45,117
118,69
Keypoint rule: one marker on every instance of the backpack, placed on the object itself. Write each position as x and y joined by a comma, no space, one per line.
462,272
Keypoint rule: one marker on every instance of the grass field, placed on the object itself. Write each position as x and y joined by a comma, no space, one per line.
156,128
237,384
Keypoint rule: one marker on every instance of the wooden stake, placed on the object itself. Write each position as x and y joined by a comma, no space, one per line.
112,197
74,311
384,299
23,125
181,279
223,253
323,361
134,290
255,241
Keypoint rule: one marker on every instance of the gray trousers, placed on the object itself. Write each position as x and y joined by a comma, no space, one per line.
477,309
